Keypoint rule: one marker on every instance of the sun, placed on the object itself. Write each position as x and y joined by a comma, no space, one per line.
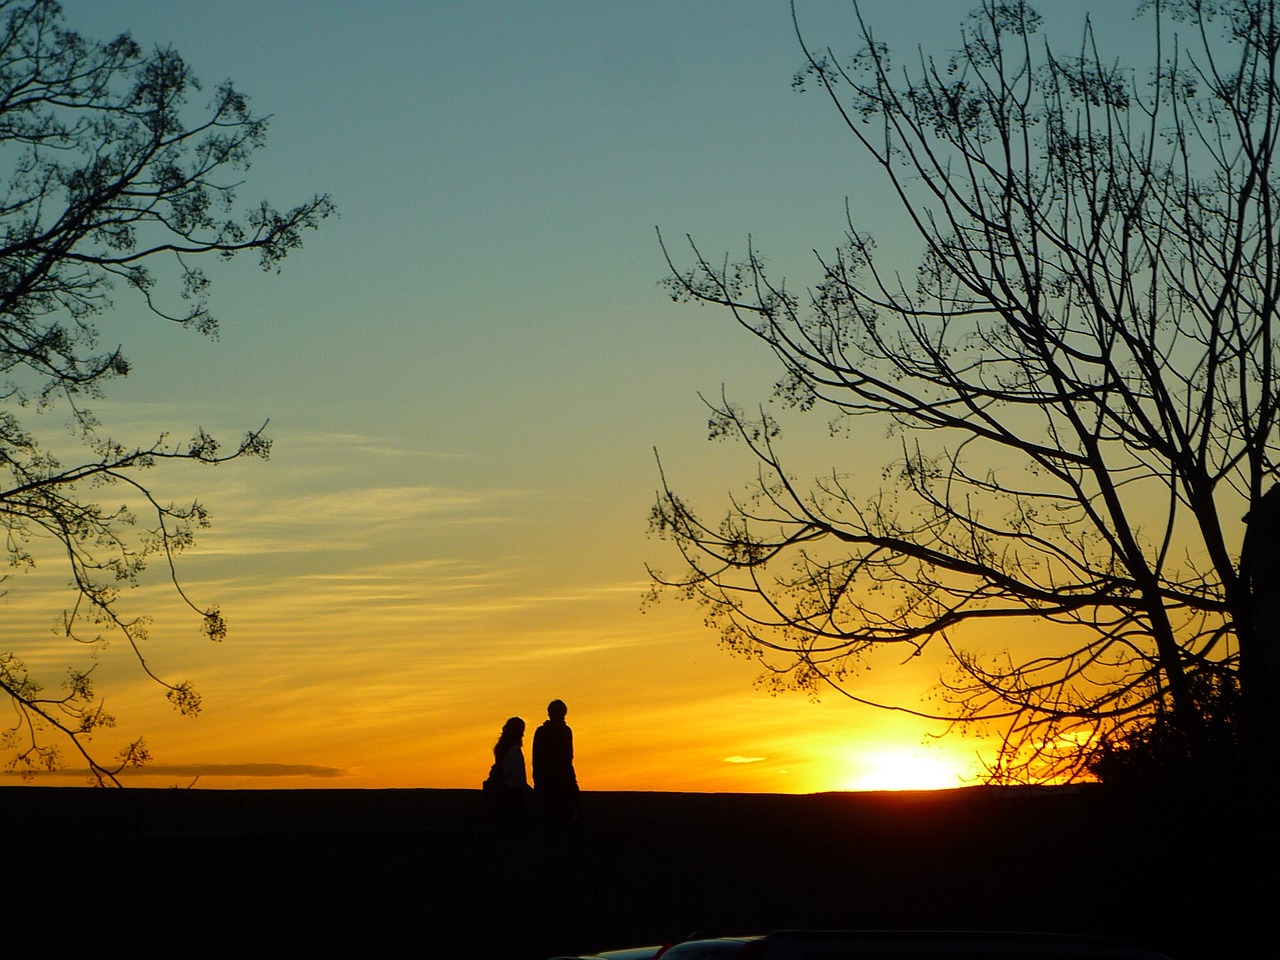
902,768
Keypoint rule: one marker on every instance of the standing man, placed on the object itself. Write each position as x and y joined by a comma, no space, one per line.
553,777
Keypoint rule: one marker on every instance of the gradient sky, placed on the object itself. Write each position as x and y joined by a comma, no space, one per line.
466,377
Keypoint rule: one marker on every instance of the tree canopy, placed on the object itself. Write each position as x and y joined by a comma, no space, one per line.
114,181
1080,376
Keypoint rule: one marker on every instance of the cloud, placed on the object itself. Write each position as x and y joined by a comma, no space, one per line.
240,770
736,759
352,518
268,770
347,445
422,593
384,505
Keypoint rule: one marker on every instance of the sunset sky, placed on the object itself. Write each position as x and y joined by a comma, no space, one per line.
466,377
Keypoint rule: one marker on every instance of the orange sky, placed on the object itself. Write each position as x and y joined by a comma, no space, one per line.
341,671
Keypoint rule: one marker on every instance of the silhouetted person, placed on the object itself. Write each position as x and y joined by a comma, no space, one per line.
507,785
554,780
1260,658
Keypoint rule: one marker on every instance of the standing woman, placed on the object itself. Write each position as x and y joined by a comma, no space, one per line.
507,785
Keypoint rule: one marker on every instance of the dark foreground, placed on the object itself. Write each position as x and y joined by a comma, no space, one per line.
333,873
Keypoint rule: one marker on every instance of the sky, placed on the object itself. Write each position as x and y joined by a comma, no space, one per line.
467,374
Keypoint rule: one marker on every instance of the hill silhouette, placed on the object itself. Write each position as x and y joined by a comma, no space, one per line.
348,872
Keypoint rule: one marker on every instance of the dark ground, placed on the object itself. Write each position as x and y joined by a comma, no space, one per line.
321,873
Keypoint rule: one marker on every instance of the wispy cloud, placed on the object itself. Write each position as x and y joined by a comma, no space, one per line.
423,591
347,443
241,770
375,505
325,520
195,770
737,759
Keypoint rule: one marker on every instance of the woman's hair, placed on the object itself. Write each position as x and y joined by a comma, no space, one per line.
512,733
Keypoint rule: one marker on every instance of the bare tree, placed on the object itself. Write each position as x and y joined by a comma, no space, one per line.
1081,374
108,176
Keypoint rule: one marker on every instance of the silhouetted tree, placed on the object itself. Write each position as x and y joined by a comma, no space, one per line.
1082,376
107,174
1152,752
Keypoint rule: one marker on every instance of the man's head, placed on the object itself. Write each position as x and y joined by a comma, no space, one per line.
556,710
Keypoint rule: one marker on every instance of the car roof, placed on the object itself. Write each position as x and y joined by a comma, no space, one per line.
907,944
706,947
630,953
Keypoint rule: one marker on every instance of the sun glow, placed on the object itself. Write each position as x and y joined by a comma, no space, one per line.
905,769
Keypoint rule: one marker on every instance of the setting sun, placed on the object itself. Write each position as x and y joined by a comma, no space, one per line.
904,768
